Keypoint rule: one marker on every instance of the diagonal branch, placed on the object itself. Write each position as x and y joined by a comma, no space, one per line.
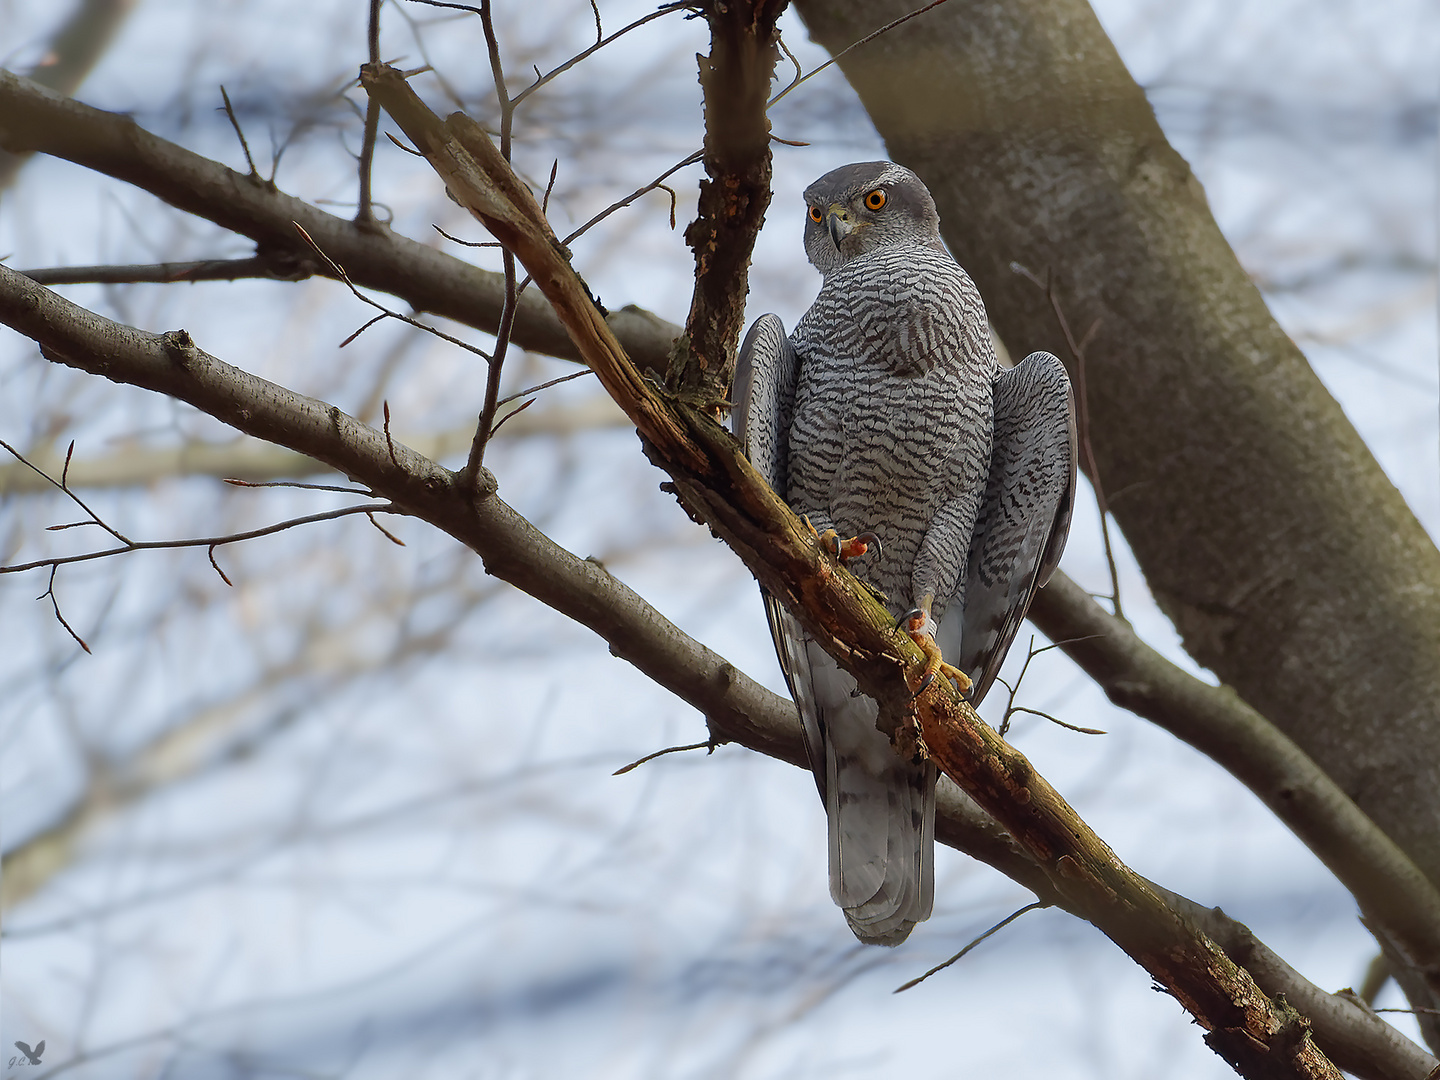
1257,1036
33,118
736,708
1386,883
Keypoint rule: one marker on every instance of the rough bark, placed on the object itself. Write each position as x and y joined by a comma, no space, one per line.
736,80
1266,530
1390,889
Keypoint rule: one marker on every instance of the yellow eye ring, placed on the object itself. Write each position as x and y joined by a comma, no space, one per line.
815,214
875,200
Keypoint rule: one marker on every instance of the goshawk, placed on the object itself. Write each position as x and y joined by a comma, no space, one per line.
886,413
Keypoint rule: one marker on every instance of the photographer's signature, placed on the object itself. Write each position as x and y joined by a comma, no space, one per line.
32,1057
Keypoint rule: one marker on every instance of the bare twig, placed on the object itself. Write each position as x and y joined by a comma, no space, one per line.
1077,351
216,565
257,266
1057,721
233,482
600,43
365,212
855,45
471,475
1011,708
384,531
55,605
93,518
239,134
457,240
510,416
206,541
658,182
993,930
661,753
385,313
555,171
545,386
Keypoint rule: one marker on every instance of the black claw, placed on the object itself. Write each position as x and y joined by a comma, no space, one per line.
925,684
913,613
871,540
839,546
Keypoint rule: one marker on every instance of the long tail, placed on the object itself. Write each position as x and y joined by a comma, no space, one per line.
881,813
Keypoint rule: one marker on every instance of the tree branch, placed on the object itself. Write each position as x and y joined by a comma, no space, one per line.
275,268
248,460
74,50
1387,885
33,118
1257,1036
735,78
736,708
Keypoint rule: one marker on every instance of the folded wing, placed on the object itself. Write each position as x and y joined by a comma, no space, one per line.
1026,513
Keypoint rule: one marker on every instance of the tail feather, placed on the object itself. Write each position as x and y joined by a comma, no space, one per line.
880,809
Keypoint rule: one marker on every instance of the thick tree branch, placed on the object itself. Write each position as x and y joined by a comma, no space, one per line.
74,51
736,708
736,80
33,118
1388,886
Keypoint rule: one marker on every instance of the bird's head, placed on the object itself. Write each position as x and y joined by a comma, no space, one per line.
858,208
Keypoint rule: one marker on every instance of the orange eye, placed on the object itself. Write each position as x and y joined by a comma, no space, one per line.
815,214
875,200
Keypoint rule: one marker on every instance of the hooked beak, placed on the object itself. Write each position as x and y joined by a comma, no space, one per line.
838,223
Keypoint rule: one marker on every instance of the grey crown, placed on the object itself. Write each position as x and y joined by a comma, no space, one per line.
886,411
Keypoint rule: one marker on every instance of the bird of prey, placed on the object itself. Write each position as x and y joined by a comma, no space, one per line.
886,421
33,1055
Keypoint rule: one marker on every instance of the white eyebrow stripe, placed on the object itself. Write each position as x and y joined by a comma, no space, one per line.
894,174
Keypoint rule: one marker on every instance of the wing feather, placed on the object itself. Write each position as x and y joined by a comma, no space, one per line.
1026,513
766,371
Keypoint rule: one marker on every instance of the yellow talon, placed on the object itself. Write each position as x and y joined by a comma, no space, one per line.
934,664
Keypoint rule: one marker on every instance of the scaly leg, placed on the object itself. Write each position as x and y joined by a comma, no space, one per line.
921,628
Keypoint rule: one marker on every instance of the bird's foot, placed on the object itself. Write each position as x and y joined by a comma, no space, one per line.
921,628
844,550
